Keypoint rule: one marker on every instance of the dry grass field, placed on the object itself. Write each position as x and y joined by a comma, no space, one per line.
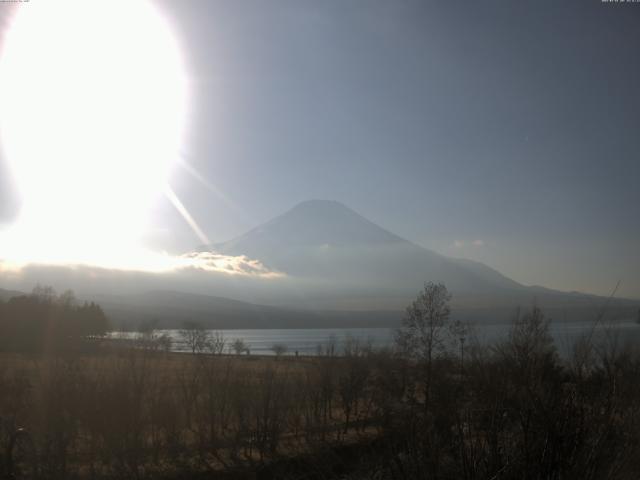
127,411
103,409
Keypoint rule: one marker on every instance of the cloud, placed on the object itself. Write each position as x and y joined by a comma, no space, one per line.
195,272
145,261
232,265
474,243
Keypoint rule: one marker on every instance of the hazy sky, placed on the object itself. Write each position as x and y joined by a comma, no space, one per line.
493,130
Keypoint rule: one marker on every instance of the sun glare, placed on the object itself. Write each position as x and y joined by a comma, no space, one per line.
92,109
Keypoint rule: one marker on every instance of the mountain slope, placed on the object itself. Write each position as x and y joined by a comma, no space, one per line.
315,222
170,309
327,240
8,294
339,259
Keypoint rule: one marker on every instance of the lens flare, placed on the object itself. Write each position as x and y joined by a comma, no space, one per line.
92,110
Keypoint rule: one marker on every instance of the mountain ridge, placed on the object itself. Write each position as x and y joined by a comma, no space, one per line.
349,257
6,295
301,213
341,270
325,238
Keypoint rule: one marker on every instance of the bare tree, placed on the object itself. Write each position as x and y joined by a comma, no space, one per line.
195,336
68,299
424,327
44,293
425,330
217,342
529,345
279,349
327,349
165,342
351,385
239,346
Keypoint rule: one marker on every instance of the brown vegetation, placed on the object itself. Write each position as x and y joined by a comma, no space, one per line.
429,409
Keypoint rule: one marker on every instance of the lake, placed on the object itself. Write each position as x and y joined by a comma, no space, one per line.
307,341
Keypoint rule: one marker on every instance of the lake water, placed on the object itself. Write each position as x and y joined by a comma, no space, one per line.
307,341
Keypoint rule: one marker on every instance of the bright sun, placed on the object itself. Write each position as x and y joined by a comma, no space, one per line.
92,108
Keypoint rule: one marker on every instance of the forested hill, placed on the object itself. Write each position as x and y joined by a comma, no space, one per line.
43,320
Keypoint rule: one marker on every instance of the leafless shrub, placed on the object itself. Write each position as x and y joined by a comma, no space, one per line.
279,349
195,337
239,346
217,343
